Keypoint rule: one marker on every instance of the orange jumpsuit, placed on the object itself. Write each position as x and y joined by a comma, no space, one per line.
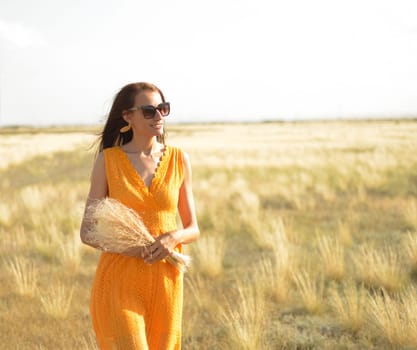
137,306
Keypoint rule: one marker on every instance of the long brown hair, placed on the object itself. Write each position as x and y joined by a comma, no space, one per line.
124,99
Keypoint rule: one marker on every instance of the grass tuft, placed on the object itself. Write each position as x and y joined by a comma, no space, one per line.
244,318
410,214
333,256
46,243
379,268
311,289
344,233
56,301
70,252
24,275
6,215
209,253
284,262
394,317
410,247
349,305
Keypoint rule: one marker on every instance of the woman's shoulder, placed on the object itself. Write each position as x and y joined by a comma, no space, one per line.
181,156
176,150
111,152
111,149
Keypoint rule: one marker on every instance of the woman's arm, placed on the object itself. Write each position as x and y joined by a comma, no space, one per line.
186,207
166,242
98,190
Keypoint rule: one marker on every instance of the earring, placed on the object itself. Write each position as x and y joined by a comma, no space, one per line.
126,128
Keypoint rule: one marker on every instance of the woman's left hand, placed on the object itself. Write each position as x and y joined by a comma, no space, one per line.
161,248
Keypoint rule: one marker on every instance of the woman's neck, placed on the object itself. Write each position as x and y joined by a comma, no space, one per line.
143,146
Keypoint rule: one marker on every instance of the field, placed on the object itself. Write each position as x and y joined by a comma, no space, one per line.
308,236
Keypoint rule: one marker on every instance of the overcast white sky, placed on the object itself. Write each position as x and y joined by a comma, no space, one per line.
62,61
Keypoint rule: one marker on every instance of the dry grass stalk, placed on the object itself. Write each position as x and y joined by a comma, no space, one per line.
36,219
283,263
311,290
70,252
361,193
270,282
200,304
197,288
409,302
395,317
410,245
46,243
270,233
326,191
280,244
411,214
349,305
259,230
117,228
34,197
344,234
247,204
379,269
244,317
200,294
264,277
57,301
24,274
89,342
333,256
11,240
6,214
210,252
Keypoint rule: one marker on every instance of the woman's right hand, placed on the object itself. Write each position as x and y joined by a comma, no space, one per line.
135,252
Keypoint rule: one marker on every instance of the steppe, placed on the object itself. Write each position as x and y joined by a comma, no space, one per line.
308,236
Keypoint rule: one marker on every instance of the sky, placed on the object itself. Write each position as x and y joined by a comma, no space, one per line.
62,61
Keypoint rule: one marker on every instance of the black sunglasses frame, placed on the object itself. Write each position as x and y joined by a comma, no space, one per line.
149,111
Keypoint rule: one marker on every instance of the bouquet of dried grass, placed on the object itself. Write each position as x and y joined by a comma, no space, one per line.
117,228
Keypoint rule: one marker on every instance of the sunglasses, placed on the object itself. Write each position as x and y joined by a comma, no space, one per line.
149,111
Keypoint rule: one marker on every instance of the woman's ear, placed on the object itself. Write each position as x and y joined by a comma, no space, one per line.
127,117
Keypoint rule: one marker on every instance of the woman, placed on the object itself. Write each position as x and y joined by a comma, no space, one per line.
136,299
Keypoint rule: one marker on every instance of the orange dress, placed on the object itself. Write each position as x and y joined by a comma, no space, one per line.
135,305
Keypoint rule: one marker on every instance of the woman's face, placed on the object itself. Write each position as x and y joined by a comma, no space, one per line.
142,126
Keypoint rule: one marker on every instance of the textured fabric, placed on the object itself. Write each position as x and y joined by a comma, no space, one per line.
136,305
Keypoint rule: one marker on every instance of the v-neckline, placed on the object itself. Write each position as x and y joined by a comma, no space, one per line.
138,176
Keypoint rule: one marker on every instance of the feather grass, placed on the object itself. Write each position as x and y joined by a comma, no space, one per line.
394,317
332,254
410,247
311,288
24,273
379,268
56,301
244,316
116,228
349,305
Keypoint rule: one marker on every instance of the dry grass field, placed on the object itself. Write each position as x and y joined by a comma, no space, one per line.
308,237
